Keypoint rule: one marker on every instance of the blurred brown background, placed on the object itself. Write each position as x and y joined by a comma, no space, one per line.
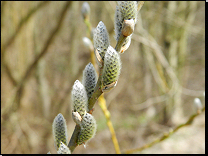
42,54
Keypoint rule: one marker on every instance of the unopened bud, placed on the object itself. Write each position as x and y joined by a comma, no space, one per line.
87,43
89,79
63,149
111,70
85,10
59,129
79,98
197,103
88,129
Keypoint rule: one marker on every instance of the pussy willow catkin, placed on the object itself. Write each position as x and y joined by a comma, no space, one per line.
89,79
88,129
111,69
101,40
79,98
63,149
59,129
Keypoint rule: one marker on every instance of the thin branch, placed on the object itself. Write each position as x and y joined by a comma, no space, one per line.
149,102
67,91
2,11
73,141
12,38
45,48
9,73
96,93
102,104
48,42
166,135
20,25
120,42
194,93
159,54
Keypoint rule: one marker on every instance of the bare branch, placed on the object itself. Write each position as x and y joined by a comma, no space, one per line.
166,135
19,27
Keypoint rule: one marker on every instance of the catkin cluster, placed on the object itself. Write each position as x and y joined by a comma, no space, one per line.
108,60
80,95
107,57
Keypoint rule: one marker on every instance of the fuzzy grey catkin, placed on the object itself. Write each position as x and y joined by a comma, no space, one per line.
88,129
79,98
112,67
59,129
101,39
125,10
89,79
118,23
63,149
128,10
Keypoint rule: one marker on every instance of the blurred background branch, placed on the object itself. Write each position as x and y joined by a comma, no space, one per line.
162,72
12,38
165,135
19,27
50,39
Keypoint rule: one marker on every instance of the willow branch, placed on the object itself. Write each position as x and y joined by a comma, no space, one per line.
45,48
19,27
9,73
102,104
73,141
102,101
166,135
12,38
120,42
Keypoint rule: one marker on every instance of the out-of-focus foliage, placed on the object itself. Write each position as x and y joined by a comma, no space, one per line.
144,104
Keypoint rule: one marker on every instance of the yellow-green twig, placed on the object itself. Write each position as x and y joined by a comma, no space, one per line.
102,104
